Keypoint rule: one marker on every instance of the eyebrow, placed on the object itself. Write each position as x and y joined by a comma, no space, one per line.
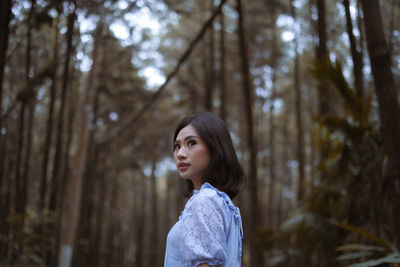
187,137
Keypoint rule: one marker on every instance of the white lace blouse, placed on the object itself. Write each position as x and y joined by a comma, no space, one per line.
209,230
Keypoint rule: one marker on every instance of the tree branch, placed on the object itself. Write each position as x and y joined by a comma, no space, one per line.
132,120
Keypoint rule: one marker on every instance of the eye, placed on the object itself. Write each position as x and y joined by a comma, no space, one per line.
191,143
177,147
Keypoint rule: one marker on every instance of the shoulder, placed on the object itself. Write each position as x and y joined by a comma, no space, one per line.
209,200
210,195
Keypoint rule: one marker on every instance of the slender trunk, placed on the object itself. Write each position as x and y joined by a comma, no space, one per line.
286,179
324,101
389,110
355,53
299,114
222,77
55,184
154,253
82,257
140,223
322,57
272,155
4,195
255,211
206,56
112,217
56,189
211,67
193,92
65,173
72,214
49,126
97,241
17,190
392,25
24,102
5,16
25,175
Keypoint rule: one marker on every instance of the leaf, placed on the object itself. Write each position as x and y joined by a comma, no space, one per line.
360,247
363,233
354,255
392,258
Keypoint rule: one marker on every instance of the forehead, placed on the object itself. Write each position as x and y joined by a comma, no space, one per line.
189,130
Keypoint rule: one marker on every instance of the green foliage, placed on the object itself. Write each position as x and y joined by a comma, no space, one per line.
385,253
31,244
349,181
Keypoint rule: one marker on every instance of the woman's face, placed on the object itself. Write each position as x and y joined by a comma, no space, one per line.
191,155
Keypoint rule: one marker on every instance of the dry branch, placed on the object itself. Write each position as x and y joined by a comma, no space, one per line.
131,121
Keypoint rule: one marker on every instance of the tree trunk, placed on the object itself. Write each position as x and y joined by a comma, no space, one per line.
5,16
355,53
255,250
49,126
4,195
272,129
140,223
299,114
26,169
222,77
17,190
272,156
211,66
154,252
83,257
68,233
389,110
324,94
99,219
322,58
286,179
55,181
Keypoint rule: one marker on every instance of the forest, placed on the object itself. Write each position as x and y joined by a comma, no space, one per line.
91,92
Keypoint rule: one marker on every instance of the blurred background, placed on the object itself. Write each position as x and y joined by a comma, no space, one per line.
91,92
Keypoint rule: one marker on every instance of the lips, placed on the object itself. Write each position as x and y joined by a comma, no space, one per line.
183,166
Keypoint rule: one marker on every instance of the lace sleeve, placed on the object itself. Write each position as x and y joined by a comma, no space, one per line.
204,230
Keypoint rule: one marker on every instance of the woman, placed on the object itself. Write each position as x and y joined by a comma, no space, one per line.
209,230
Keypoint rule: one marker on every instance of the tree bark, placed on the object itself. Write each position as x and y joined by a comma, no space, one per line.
355,53
389,110
255,250
140,219
154,252
49,126
5,16
209,66
322,57
299,113
222,78
55,181
68,233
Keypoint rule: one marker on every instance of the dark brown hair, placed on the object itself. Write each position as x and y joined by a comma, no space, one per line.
224,172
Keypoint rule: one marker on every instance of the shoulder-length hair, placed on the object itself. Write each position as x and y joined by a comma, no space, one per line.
224,172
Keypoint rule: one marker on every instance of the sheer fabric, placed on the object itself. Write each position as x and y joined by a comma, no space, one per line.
209,230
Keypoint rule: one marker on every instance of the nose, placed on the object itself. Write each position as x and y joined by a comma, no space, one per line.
181,153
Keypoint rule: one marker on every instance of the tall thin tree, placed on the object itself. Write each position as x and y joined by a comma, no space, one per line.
68,233
299,110
389,109
247,87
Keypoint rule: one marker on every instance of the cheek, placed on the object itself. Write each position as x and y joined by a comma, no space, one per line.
206,158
